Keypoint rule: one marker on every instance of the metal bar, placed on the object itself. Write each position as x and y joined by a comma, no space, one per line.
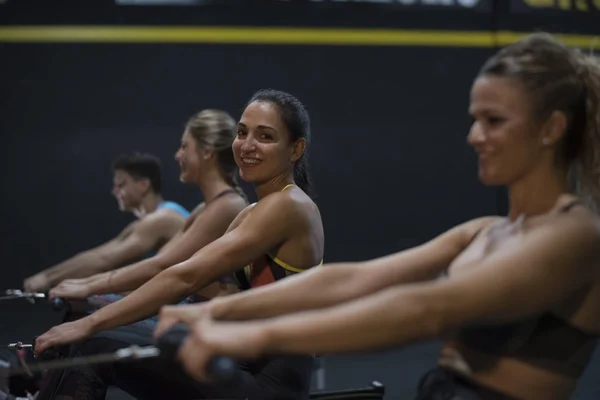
126,354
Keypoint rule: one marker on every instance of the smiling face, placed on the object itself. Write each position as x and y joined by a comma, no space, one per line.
505,134
262,148
189,158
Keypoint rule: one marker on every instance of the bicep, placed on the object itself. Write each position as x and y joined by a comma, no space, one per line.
260,231
239,218
107,247
138,243
205,229
544,270
127,231
171,242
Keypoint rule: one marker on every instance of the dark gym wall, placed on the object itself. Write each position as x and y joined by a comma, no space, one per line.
389,156
379,160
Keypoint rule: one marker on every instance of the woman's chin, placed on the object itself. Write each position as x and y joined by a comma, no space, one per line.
491,180
184,178
249,177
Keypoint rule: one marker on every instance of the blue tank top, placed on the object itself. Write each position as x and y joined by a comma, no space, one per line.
174,206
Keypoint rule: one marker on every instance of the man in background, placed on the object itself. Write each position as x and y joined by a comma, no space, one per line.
137,187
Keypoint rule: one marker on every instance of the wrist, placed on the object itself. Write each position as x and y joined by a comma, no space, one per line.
94,323
94,287
102,285
218,308
268,337
44,280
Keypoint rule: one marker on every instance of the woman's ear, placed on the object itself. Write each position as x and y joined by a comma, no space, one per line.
299,148
206,153
554,128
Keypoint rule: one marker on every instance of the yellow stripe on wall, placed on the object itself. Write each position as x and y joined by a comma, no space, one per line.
583,41
268,35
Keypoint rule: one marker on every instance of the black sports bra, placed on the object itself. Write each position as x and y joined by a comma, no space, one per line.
544,340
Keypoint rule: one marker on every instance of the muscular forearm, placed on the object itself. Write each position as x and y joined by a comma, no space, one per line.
329,285
165,288
81,265
126,279
94,278
389,318
171,285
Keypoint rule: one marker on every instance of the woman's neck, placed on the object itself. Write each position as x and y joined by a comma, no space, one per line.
537,193
274,185
211,186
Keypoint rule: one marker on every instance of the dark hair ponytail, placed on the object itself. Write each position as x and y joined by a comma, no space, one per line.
301,175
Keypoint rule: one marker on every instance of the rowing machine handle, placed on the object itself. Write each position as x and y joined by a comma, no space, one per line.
58,303
221,369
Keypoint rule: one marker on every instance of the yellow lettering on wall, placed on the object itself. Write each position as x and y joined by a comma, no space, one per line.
540,3
581,5
564,4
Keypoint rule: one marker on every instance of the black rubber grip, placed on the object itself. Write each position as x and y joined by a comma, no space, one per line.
49,354
220,368
58,303
171,340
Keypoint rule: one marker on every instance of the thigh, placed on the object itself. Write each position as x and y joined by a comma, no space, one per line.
156,378
284,377
165,379
279,378
91,381
442,384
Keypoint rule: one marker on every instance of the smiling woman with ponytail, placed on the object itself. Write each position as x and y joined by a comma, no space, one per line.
518,306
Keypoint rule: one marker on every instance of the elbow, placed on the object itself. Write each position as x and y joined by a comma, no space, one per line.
183,280
103,263
160,263
347,279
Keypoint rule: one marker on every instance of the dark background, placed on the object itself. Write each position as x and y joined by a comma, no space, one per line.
389,156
